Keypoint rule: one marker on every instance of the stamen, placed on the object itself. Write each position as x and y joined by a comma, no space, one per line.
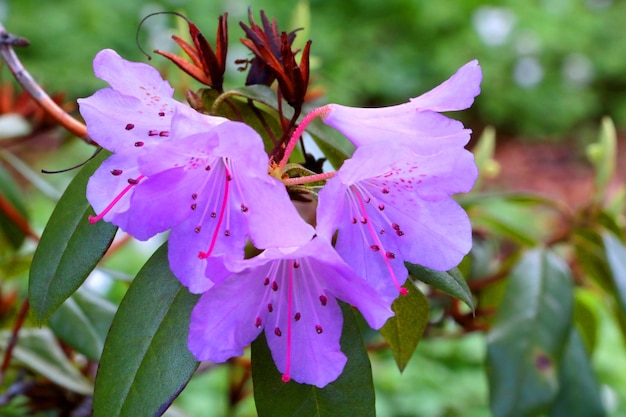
286,376
164,134
257,322
153,133
94,219
204,255
138,144
318,329
323,300
277,332
130,126
116,172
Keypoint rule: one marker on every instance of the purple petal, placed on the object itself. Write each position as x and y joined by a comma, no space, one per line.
456,93
131,78
110,181
223,320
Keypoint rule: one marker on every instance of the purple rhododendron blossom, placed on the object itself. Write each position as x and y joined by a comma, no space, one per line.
291,293
416,124
174,168
391,204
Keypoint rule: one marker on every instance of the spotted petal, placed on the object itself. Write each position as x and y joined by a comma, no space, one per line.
392,205
291,293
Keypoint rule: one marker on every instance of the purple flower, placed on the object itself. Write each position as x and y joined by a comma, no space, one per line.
204,177
292,294
416,124
391,204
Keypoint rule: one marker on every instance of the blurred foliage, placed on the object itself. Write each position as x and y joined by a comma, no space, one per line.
549,67
553,66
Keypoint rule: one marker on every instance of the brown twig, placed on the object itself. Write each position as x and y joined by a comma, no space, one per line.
7,42
19,321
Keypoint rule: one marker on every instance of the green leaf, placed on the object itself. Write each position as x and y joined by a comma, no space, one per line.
11,200
145,362
69,249
616,257
404,330
39,351
587,316
527,340
351,394
602,155
579,393
83,321
451,282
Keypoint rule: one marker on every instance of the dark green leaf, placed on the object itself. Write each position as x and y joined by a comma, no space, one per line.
145,362
83,321
69,249
404,330
526,342
451,282
579,393
11,200
352,394
39,351
587,317
616,257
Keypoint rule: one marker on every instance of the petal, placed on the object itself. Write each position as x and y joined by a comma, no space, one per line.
222,322
104,186
120,122
456,93
315,358
131,78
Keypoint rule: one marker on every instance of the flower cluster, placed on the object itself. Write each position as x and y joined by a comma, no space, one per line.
210,182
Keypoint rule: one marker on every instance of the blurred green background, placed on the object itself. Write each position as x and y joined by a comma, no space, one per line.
552,68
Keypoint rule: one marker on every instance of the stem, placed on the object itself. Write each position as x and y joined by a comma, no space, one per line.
309,178
318,112
19,322
7,41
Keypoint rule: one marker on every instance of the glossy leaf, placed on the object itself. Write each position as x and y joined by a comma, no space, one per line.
616,257
39,351
145,362
404,330
83,321
12,209
579,392
352,394
69,249
450,282
527,340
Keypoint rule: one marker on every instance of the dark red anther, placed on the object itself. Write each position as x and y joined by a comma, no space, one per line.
381,207
266,281
194,196
161,113
226,232
277,332
275,286
116,172
364,220
354,220
244,208
270,307
390,255
229,177
138,144
153,133
297,316
213,214
193,206
197,229
318,329
399,233
375,248
164,133
207,168
385,191
368,199
395,226
323,300
257,322
296,264
133,181
129,126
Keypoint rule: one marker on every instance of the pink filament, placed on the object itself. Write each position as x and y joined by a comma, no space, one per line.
204,255
286,377
293,140
94,219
